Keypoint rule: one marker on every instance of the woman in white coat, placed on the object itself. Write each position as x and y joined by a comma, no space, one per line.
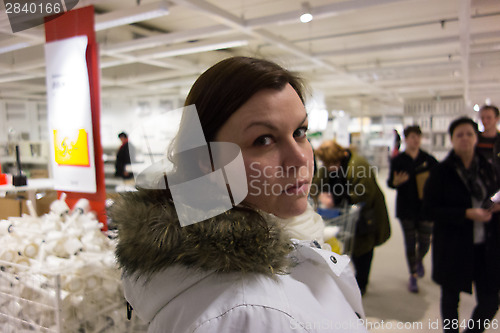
241,270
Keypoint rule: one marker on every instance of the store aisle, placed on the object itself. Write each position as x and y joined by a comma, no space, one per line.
389,306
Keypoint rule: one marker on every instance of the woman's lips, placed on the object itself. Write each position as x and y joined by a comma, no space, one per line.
300,188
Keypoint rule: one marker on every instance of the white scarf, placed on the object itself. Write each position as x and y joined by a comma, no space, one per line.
306,226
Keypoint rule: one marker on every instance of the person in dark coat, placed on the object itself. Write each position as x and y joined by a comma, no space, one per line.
408,173
466,234
123,157
490,137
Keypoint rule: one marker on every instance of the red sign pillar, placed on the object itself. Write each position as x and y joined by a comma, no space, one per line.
80,22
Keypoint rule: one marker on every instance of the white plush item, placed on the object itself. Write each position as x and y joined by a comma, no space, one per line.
69,244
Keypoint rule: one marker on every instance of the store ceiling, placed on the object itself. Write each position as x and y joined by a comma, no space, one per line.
363,56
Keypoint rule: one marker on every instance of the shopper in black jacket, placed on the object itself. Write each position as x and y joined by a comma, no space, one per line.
466,235
123,157
408,173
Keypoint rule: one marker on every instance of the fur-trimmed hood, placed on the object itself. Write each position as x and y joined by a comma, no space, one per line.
150,238
171,272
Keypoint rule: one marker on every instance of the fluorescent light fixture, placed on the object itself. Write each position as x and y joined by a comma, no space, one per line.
306,13
196,47
8,47
130,15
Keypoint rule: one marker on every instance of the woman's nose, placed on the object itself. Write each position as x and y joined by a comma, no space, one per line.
296,155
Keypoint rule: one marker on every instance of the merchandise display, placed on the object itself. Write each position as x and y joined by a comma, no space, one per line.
58,273
19,179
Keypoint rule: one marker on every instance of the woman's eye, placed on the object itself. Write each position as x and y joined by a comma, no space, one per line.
263,140
300,132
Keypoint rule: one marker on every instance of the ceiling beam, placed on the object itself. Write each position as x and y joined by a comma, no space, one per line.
464,28
239,24
318,12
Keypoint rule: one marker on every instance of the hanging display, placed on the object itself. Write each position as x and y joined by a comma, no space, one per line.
69,115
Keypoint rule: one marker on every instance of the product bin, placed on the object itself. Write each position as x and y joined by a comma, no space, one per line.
40,301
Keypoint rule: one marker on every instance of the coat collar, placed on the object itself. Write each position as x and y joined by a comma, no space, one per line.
486,172
150,238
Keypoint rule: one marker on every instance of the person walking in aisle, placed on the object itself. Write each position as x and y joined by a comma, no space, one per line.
466,234
395,145
408,173
489,140
123,157
239,271
352,180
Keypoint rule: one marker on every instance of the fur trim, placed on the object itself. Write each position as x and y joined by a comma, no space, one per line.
151,239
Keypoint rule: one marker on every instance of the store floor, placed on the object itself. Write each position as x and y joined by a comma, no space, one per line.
389,306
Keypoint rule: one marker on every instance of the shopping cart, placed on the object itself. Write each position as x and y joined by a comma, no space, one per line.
343,227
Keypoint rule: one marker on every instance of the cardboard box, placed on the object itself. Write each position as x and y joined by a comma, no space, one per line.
39,173
44,200
14,204
12,207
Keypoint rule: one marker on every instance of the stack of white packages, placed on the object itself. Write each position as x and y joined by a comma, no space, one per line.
58,273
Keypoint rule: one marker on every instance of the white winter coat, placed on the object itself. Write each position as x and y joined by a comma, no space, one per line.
241,289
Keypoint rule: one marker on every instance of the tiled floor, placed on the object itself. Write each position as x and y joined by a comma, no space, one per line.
388,304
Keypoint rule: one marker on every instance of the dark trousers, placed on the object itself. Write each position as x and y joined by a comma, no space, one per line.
417,235
486,297
362,264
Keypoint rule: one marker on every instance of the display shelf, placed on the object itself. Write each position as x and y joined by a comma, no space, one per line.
25,160
34,156
434,118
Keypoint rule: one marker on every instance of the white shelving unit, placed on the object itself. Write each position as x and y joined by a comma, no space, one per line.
434,118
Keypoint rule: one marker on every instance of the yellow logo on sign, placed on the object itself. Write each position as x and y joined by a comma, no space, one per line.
68,152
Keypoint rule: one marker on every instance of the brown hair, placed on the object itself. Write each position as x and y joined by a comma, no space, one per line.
330,152
226,86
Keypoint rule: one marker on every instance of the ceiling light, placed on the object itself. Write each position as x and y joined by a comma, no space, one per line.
130,15
476,108
196,47
306,13
12,46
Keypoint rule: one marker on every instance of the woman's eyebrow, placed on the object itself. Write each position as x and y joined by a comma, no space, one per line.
268,124
304,120
261,123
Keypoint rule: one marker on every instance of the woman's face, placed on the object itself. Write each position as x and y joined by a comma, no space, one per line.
464,139
270,128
